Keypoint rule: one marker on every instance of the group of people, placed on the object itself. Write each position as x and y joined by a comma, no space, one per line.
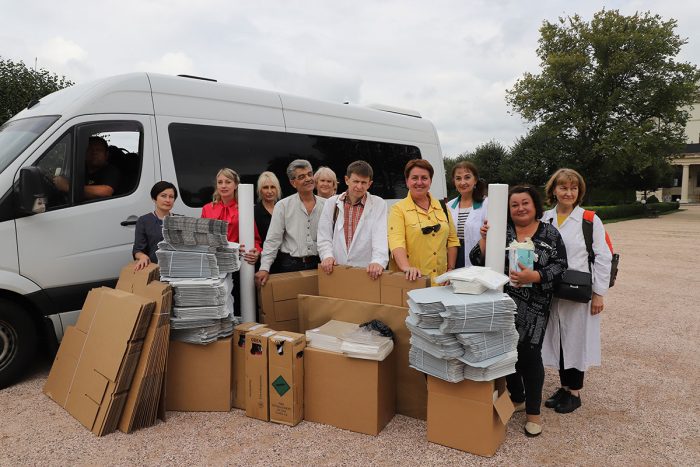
424,236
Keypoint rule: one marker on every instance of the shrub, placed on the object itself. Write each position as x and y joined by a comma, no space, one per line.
652,199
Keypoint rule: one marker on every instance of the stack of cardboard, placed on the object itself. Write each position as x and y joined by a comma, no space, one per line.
145,401
95,365
190,254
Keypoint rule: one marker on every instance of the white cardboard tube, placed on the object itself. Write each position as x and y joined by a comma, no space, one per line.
246,236
497,216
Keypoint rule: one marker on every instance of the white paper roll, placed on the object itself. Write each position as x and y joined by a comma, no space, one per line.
246,236
497,216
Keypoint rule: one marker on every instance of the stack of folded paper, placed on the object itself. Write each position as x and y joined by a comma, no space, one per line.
350,339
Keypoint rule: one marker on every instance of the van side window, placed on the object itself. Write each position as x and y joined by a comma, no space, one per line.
199,151
109,156
92,162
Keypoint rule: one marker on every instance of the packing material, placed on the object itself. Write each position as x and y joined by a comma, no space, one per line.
286,377
199,377
484,404
349,393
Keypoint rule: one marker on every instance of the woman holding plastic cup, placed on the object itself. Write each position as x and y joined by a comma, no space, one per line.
468,209
572,340
531,290
422,235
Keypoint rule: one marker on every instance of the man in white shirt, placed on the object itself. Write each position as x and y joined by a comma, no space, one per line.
291,238
352,228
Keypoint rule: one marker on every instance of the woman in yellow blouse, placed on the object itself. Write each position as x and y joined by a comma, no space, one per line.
422,235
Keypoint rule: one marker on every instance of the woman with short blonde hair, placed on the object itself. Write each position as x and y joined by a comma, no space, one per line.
326,182
269,192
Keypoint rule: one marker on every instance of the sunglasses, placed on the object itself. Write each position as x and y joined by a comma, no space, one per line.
429,229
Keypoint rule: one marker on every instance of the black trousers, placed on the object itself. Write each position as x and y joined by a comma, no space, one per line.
571,378
288,263
525,385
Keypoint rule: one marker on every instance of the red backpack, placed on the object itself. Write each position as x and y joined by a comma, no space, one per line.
587,226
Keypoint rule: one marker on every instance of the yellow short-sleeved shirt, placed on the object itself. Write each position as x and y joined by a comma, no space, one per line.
427,252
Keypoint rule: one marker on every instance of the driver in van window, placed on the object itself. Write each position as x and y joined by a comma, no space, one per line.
101,178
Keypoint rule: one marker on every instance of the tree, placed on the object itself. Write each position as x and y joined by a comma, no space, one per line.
533,158
19,85
489,159
611,92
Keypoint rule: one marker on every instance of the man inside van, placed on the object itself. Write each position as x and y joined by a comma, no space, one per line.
101,178
291,238
352,228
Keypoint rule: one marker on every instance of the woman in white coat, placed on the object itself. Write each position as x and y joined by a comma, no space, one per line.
468,209
352,229
572,338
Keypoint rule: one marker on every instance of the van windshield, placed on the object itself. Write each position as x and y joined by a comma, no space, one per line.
15,136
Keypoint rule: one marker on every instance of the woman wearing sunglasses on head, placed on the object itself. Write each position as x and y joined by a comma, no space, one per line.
422,235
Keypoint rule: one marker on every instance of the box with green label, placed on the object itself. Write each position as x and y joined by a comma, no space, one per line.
286,376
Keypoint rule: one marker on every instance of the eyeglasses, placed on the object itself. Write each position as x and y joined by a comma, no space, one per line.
302,177
428,229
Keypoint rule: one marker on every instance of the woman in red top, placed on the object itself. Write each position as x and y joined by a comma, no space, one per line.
225,207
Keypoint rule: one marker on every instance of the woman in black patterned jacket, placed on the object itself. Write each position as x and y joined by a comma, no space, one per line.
524,211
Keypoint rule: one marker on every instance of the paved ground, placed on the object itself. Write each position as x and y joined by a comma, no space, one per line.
640,408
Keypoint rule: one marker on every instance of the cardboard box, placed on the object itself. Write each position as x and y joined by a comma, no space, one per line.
145,401
484,404
349,283
256,374
199,377
411,394
286,376
352,283
349,393
277,300
107,341
394,288
238,361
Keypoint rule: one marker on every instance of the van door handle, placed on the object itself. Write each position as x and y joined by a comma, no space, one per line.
126,223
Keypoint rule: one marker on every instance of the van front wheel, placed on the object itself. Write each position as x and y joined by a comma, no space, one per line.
18,341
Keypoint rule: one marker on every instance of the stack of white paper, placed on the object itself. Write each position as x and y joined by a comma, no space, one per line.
187,264
181,230
479,346
492,368
451,369
350,339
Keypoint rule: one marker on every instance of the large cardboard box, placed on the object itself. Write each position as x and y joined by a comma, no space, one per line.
238,370
484,404
349,283
278,298
349,393
394,287
352,283
286,376
411,394
109,333
199,377
257,403
145,401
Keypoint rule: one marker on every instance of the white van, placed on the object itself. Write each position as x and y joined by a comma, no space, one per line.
179,129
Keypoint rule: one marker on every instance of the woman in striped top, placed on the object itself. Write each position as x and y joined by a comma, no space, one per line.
468,209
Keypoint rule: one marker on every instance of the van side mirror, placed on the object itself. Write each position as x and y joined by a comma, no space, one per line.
31,198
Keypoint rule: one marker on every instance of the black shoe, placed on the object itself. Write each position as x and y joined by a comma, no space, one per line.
568,404
556,398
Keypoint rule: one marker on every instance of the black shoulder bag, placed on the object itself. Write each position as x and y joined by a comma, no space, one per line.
574,285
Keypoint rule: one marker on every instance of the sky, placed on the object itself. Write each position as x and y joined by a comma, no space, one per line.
452,61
